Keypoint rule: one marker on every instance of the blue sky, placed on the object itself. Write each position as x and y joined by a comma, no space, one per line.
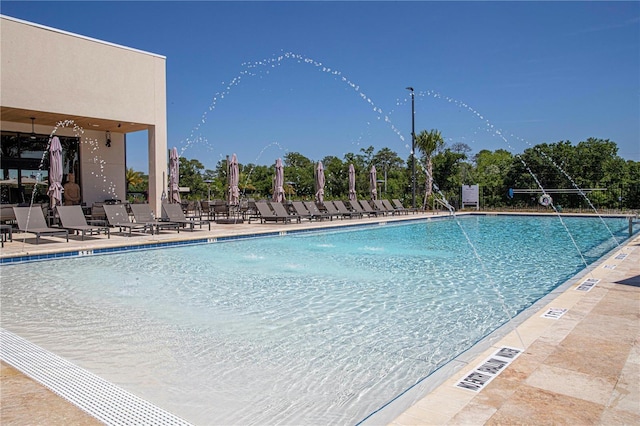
261,79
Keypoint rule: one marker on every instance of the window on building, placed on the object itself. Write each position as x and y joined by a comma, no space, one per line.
24,166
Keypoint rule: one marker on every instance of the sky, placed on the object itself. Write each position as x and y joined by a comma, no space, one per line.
262,79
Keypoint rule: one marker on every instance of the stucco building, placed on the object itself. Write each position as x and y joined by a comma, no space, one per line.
91,94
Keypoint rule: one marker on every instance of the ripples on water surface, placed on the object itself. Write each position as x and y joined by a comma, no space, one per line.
317,328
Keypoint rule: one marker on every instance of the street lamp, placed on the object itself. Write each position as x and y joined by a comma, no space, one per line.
413,148
208,182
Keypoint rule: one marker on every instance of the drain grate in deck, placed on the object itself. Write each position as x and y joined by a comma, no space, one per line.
588,284
554,313
103,400
489,369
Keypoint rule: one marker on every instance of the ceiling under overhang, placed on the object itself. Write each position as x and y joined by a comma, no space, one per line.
18,115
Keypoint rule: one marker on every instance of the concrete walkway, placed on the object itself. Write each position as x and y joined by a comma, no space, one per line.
582,368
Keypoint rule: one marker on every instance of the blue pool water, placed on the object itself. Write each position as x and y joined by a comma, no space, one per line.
313,328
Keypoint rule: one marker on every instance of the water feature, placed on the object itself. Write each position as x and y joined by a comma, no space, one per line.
312,328
261,68
239,334
265,66
96,159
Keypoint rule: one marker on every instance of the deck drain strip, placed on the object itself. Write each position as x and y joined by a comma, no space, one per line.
98,397
488,369
588,284
554,313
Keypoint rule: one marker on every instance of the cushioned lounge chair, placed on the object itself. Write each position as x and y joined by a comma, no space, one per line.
143,214
72,218
117,217
31,219
174,213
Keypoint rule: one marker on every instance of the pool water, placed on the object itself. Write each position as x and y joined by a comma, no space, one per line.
311,328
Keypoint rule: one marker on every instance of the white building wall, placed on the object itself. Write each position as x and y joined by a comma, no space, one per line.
48,70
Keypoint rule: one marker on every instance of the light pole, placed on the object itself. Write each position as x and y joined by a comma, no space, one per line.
413,148
208,182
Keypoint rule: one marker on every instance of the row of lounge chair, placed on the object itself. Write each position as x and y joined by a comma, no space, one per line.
72,219
279,212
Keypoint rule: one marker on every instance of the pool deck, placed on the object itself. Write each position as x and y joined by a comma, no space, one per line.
581,368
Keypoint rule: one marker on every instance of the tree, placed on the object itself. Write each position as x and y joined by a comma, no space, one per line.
336,177
428,143
491,170
299,170
134,179
191,176
387,160
446,166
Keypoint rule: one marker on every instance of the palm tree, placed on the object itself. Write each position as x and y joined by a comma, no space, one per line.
133,178
428,143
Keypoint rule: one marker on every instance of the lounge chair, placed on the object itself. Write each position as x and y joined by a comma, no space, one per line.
356,207
117,217
301,210
219,209
143,214
314,210
265,214
387,205
399,207
332,210
367,208
304,212
377,205
7,215
72,218
31,219
206,209
282,211
174,213
342,208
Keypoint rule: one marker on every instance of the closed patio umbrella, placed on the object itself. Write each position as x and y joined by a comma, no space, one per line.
174,176
320,183
55,170
372,183
352,183
278,182
234,179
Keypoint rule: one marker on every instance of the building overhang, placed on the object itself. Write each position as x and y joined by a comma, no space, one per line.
43,118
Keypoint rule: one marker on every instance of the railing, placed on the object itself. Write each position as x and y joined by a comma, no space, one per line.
442,203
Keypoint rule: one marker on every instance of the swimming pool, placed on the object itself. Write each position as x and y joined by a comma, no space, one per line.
312,328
